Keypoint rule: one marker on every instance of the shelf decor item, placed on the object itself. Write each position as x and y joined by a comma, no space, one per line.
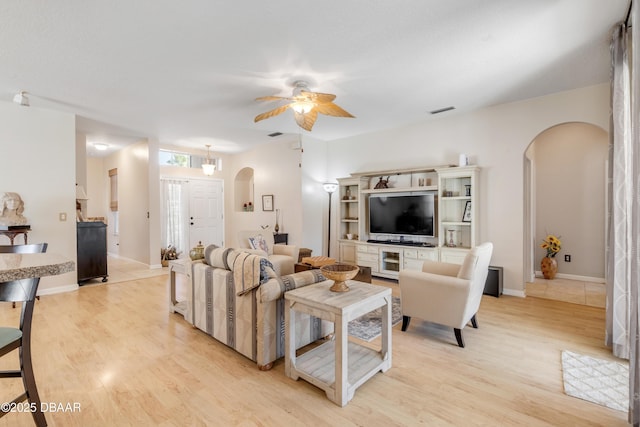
382,183
197,252
466,217
451,243
549,265
168,254
339,273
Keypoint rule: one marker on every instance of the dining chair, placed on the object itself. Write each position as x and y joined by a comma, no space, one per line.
12,338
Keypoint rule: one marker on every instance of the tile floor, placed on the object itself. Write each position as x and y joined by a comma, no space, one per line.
122,270
573,291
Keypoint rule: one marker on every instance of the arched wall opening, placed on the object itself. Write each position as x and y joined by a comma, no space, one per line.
565,169
243,190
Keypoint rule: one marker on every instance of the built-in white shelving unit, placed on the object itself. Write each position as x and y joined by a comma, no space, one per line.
456,189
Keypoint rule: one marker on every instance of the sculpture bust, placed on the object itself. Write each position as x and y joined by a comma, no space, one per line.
11,208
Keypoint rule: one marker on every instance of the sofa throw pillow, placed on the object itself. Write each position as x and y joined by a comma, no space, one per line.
258,242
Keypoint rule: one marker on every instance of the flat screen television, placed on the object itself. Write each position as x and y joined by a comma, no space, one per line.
402,214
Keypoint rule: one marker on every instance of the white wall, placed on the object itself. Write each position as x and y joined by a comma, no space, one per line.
277,171
570,164
315,201
494,138
97,188
38,161
81,167
154,219
132,163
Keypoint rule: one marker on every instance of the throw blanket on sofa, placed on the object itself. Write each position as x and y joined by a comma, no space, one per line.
249,270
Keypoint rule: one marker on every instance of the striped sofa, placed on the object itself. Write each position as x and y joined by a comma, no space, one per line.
253,323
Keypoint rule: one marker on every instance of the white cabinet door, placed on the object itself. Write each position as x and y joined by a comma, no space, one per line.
453,256
347,253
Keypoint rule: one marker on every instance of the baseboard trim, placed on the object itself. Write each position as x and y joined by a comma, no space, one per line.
149,266
574,277
58,289
513,293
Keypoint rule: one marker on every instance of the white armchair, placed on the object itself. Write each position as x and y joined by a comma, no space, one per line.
447,294
283,257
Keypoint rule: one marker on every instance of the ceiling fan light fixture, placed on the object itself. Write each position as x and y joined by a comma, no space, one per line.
302,107
305,104
208,167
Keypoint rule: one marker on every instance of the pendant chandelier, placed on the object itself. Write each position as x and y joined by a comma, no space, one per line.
208,167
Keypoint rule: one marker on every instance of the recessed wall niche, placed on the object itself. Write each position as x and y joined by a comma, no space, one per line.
243,194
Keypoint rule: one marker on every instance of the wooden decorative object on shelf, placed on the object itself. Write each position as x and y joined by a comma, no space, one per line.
318,261
382,183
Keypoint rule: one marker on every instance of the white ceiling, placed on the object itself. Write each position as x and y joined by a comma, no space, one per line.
188,72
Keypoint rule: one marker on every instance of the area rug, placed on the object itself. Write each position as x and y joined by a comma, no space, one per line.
595,380
369,326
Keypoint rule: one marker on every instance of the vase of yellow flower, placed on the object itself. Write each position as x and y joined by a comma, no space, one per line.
549,265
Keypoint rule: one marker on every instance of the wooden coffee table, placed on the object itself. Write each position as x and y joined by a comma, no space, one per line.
338,366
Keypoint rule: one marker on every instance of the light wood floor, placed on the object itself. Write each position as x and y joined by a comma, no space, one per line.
115,350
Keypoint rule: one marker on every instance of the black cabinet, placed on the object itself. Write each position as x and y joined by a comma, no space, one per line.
92,250
493,285
281,238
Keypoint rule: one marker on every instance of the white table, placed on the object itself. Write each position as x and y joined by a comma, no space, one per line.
338,366
182,266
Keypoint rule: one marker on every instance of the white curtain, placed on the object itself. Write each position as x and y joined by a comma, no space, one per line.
634,360
620,200
623,254
175,213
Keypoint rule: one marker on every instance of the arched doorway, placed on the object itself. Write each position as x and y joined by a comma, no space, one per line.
565,194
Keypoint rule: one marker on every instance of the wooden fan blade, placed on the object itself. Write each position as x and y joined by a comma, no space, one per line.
272,113
272,98
318,97
306,121
331,109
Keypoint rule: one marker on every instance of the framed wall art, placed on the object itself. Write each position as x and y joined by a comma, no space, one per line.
267,202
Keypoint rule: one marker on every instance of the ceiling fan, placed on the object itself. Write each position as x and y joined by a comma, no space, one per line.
305,105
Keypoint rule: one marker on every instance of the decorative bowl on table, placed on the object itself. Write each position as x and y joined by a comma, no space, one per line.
339,273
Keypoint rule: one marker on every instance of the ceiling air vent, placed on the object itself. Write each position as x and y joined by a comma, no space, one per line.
273,135
442,110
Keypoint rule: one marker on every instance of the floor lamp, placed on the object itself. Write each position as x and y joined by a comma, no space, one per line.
329,187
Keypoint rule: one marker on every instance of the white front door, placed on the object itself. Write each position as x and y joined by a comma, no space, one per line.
206,209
